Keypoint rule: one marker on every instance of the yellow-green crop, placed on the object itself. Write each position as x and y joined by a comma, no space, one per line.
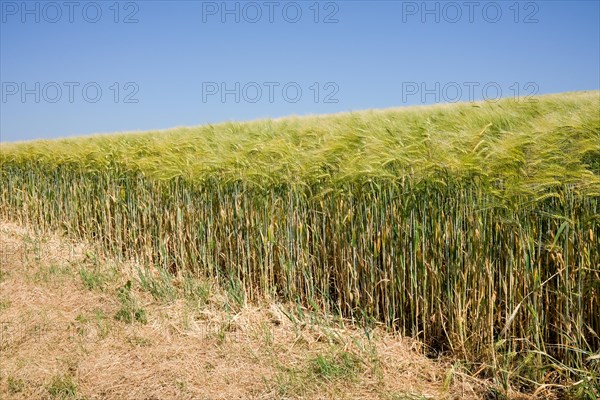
474,226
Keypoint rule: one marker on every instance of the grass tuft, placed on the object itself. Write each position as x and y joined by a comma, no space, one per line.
129,311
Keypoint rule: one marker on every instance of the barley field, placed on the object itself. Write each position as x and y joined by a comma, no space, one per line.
472,227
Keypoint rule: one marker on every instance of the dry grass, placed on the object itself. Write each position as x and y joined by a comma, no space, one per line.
60,339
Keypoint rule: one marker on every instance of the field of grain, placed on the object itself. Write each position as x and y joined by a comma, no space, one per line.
472,227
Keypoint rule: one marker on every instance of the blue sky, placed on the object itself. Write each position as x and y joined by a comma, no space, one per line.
74,68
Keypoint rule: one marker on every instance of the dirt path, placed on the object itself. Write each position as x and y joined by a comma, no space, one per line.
72,328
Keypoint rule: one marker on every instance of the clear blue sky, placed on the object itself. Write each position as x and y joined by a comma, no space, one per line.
171,60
